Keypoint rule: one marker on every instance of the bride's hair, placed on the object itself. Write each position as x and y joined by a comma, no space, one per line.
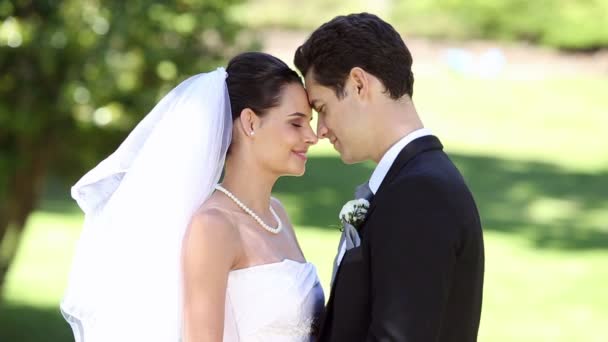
256,80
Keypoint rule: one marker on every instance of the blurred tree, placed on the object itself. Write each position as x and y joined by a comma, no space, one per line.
77,75
566,24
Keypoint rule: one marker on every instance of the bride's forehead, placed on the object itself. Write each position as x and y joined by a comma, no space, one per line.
294,95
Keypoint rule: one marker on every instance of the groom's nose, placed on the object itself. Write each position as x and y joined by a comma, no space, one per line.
322,130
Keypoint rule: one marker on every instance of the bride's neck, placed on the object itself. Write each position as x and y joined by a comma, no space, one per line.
249,183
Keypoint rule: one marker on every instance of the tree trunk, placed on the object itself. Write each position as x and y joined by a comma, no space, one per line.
11,237
24,189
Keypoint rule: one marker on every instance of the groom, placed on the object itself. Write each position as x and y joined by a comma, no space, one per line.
414,269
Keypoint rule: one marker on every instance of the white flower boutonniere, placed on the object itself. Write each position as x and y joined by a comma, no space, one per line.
353,212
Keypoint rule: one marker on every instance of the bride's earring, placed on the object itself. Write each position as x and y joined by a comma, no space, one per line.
252,133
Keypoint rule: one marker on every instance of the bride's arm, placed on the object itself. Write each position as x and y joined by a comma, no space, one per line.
209,251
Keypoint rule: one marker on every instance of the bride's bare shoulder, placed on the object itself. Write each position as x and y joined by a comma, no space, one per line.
213,225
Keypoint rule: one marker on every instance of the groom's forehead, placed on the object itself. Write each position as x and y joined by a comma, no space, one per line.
314,91
310,82
312,94
319,95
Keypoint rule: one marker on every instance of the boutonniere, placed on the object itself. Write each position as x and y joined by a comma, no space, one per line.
353,212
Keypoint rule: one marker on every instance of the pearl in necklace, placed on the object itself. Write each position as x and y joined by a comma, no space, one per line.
254,215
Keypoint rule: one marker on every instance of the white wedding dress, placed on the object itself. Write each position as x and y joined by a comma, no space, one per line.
274,302
125,281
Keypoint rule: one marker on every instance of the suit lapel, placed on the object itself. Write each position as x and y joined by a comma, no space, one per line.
411,150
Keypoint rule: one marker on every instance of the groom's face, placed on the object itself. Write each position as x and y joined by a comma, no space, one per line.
340,120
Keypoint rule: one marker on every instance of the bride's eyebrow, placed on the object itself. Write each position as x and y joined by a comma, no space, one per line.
300,115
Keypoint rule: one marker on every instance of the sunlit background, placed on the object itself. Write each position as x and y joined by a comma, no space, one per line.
517,90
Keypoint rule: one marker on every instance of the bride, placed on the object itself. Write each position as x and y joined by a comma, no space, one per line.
167,253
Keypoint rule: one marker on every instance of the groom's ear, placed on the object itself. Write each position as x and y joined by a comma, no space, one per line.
360,82
248,121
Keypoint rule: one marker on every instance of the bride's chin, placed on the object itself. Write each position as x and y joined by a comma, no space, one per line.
297,171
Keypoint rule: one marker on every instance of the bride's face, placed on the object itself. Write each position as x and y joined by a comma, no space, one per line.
284,134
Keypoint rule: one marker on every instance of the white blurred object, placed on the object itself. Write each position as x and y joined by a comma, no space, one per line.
491,63
459,60
487,64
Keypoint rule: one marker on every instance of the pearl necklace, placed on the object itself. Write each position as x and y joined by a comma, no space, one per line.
254,215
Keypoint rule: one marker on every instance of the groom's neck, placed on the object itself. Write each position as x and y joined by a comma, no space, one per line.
395,120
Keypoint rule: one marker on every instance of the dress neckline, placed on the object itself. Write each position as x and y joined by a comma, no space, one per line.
268,265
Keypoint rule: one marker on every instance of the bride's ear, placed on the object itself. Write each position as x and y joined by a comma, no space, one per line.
360,82
248,120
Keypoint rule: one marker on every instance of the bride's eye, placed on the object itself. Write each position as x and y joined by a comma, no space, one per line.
296,125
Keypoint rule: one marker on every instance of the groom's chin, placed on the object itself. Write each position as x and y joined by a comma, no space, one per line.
348,160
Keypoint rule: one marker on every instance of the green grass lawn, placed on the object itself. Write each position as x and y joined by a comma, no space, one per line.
534,154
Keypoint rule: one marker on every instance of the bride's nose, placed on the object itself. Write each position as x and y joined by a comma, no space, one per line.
311,137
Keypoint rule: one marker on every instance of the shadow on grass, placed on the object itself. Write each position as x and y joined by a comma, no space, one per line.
541,202
551,207
19,323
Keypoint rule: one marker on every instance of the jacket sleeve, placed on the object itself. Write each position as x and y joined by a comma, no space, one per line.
412,250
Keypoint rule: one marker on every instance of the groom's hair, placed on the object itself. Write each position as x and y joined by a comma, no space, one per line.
357,40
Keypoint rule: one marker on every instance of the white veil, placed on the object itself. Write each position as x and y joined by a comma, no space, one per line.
125,282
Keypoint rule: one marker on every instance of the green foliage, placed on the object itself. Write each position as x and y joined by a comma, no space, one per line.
77,75
569,24
298,14
80,73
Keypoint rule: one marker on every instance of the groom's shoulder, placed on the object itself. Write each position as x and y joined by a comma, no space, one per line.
430,169
422,182
406,183
433,179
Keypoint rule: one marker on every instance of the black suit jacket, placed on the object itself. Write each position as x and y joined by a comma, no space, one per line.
418,274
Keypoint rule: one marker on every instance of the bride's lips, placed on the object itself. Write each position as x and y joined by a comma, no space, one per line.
301,154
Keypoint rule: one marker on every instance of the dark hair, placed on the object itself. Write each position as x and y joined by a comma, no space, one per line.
357,40
256,80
